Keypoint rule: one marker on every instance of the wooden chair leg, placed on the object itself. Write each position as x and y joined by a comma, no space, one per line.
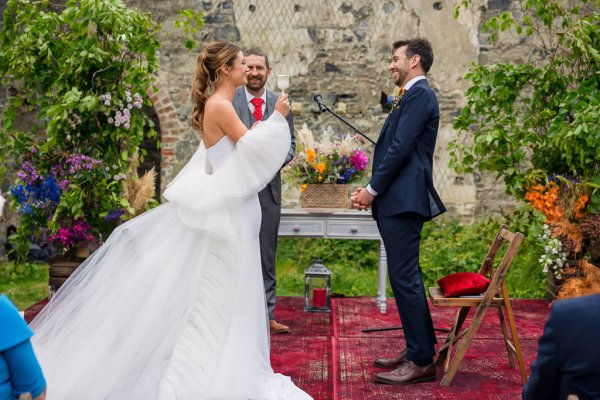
511,358
461,348
446,349
513,331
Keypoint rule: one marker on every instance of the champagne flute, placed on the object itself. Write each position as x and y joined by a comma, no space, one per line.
283,82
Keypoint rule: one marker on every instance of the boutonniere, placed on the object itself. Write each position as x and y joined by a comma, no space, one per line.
395,99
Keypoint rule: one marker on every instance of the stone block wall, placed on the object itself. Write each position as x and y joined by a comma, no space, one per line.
342,49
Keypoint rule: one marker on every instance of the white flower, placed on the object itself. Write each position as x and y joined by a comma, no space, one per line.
305,138
554,257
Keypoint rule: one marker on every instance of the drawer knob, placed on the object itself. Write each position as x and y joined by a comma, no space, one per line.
353,229
296,228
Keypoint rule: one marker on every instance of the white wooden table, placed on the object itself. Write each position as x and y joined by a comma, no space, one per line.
340,224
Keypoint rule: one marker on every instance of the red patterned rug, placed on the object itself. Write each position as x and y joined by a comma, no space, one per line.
329,356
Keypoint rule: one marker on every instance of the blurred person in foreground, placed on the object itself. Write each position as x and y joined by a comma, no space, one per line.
20,374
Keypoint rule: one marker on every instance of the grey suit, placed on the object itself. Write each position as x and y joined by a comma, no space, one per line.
270,197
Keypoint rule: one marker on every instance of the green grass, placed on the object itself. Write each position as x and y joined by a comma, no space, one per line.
24,284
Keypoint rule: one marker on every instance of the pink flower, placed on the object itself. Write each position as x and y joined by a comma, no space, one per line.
359,160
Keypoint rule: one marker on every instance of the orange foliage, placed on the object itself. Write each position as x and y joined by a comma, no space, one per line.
569,230
586,281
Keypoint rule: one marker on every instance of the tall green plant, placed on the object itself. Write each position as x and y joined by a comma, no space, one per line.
83,70
539,116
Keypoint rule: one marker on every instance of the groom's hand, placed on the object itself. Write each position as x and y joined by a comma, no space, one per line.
361,199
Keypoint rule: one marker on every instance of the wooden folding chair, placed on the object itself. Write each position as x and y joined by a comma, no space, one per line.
496,295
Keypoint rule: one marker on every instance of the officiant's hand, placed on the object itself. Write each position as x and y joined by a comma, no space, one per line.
361,199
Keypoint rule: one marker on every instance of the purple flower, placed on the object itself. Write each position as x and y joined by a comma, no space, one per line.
114,215
64,184
78,162
28,173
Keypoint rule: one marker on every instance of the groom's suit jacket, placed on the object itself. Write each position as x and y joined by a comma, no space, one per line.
240,104
403,158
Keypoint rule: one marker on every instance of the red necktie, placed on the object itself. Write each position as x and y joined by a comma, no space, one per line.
257,102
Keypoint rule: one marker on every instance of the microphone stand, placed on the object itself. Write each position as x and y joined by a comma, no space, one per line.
324,108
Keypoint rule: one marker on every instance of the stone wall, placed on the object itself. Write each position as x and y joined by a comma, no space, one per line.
340,49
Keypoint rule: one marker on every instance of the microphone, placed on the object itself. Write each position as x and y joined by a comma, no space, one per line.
323,108
319,100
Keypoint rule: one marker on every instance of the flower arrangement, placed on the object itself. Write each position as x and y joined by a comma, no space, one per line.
572,227
335,159
76,177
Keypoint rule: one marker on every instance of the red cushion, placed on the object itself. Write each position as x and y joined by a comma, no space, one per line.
463,284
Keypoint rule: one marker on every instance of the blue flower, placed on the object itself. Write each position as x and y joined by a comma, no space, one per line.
18,192
26,209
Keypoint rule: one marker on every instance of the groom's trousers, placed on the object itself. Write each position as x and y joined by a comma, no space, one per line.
401,236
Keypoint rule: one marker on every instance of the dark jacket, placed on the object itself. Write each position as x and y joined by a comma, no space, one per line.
403,158
568,359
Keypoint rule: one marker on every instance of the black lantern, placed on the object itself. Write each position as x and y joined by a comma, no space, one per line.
317,288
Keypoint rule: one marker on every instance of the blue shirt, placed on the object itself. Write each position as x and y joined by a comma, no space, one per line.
19,370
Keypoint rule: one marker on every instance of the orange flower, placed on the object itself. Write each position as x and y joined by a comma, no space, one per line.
580,204
303,187
310,155
321,167
545,199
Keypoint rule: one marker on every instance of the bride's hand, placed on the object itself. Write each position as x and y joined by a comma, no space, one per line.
283,105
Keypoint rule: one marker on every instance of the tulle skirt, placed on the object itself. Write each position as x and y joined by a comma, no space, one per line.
172,305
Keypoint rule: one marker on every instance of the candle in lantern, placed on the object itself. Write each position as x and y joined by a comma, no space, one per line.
319,298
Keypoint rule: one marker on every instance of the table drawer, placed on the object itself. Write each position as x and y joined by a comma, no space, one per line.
350,229
301,228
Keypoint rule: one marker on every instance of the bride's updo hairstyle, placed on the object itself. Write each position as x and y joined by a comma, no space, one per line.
210,60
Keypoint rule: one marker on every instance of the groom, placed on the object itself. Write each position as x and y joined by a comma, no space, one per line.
402,197
254,103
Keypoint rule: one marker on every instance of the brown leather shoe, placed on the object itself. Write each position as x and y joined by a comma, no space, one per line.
390,363
407,373
276,327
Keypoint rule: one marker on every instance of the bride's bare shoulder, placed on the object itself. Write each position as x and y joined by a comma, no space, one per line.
217,105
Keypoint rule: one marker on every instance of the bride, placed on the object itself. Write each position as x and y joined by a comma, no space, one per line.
172,305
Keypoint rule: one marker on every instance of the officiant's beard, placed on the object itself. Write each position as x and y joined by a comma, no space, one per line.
256,83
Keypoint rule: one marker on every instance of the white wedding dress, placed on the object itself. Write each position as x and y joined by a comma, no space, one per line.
172,305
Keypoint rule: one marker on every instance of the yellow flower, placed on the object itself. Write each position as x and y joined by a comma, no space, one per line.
310,155
303,187
320,178
321,167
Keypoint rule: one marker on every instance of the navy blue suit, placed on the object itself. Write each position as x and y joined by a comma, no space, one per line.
402,178
568,360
